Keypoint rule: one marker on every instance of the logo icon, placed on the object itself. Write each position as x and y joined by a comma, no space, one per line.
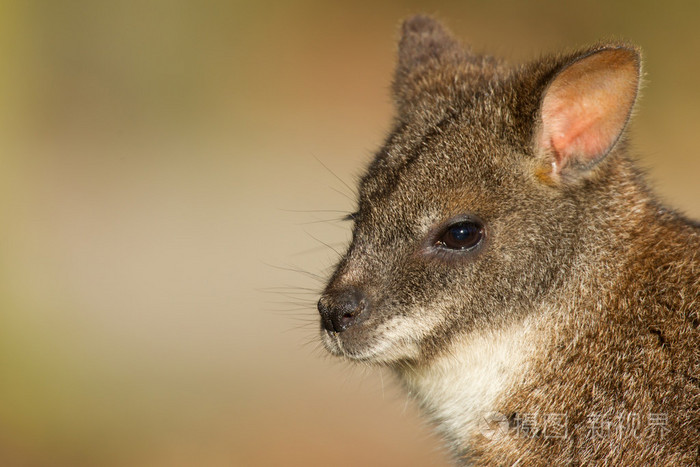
493,425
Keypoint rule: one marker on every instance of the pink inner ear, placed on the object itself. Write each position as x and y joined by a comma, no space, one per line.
586,107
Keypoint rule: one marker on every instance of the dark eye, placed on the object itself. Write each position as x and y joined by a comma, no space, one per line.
463,235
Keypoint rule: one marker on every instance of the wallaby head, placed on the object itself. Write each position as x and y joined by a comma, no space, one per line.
471,212
507,256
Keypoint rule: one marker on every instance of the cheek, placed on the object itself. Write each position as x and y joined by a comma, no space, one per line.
413,325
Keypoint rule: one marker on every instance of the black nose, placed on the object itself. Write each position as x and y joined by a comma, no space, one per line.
342,309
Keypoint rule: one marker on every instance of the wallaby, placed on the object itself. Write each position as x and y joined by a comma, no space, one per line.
510,265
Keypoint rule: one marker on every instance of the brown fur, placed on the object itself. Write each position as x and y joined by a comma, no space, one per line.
624,341
610,277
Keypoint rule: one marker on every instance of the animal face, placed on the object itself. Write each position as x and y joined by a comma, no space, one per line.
468,216
443,239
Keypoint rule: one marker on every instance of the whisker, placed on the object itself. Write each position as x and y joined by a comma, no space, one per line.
298,327
316,344
341,193
324,243
289,307
334,222
301,295
313,211
315,249
352,190
297,270
287,287
381,380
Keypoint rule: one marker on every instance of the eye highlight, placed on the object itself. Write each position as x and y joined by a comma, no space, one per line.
463,235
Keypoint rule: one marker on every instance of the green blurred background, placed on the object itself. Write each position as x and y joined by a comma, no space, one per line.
166,166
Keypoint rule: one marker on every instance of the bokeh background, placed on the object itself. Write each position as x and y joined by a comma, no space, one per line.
171,178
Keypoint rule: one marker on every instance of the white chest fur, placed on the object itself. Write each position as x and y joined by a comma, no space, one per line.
461,387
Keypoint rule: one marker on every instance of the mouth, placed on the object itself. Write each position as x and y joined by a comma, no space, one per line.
337,345
349,346
331,341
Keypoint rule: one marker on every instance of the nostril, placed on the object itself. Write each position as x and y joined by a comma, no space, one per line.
355,309
342,309
346,319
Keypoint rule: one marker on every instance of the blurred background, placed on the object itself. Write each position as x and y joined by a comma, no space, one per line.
171,179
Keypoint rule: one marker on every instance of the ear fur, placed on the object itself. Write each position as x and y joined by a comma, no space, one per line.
424,40
426,49
584,110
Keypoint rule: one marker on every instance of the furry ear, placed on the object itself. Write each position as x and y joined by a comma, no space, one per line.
425,48
423,40
585,109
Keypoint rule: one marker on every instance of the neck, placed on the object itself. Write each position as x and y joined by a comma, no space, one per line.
460,389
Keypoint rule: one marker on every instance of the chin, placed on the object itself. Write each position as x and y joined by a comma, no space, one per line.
355,346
